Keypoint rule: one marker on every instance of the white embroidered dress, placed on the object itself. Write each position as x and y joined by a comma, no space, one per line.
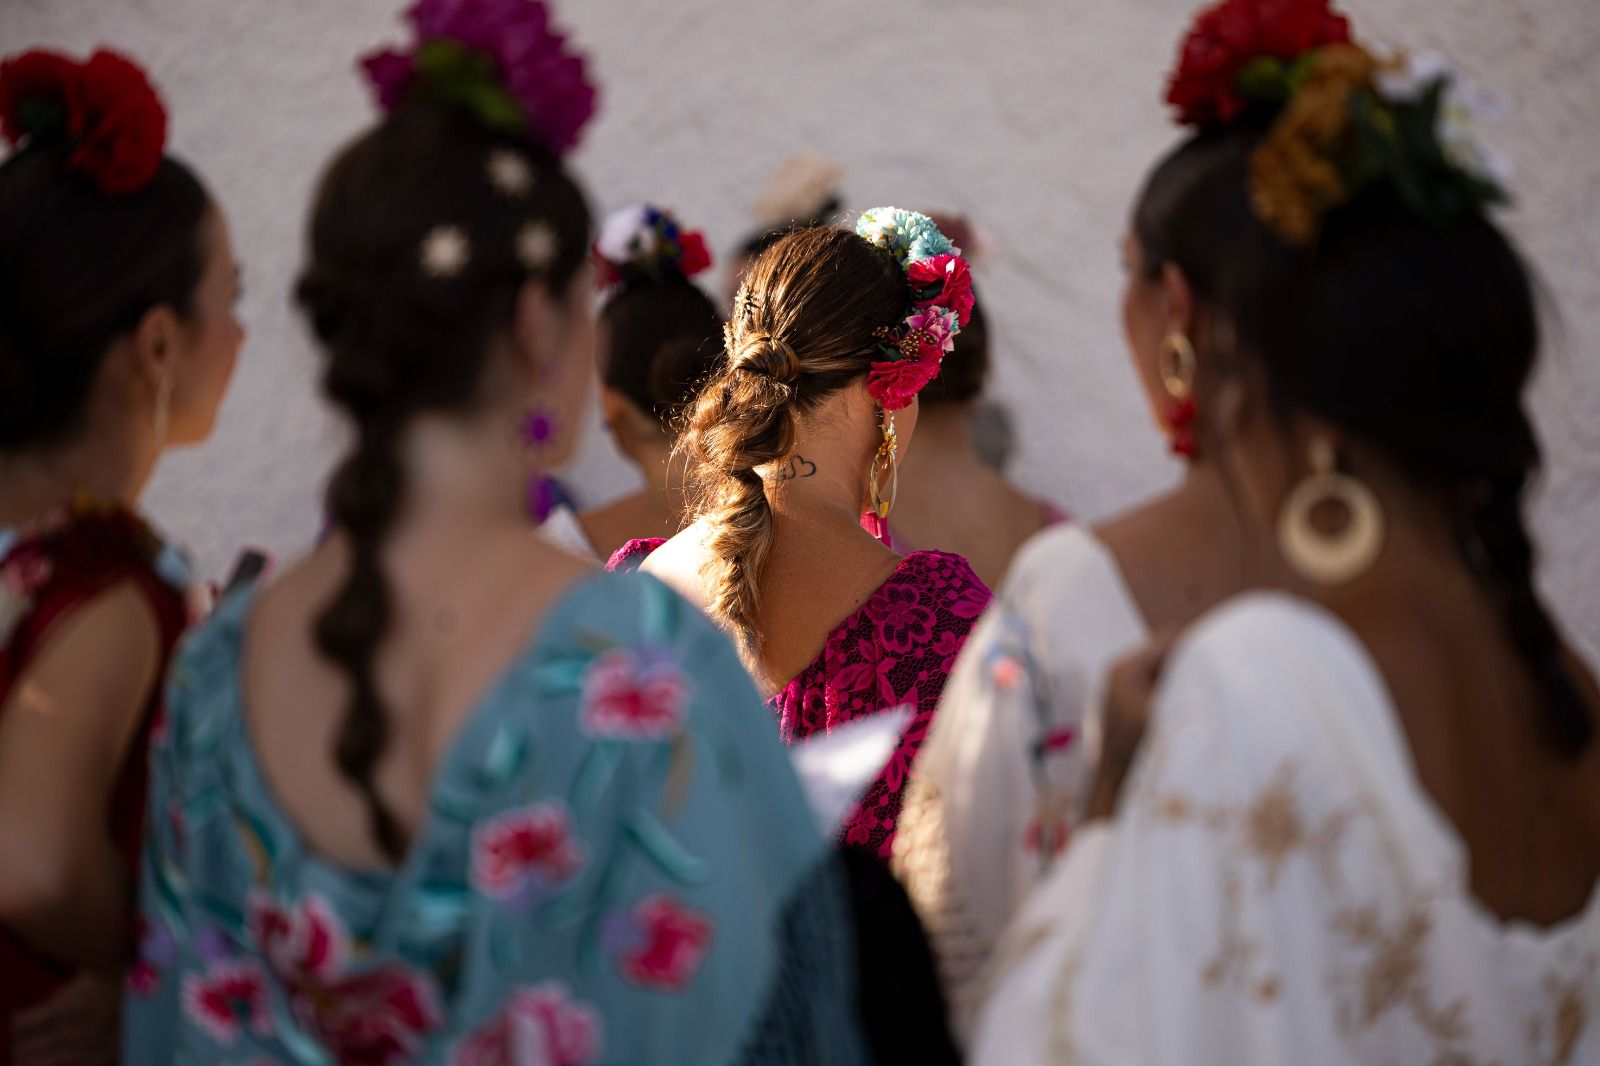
1003,773
1278,888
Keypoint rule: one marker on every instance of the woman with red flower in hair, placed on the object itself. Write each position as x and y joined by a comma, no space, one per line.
658,337
1352,814
117,340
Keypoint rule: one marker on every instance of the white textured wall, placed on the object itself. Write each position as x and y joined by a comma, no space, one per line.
1036,116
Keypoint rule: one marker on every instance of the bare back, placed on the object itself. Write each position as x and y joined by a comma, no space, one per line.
461,616
959,505
818,573
1529,818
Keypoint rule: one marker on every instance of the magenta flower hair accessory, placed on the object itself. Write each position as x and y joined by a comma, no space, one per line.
941,303
500,59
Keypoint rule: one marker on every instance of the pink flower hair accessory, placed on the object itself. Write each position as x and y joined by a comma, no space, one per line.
500,59
941,303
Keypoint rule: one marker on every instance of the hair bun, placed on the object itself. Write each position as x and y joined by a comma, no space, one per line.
769,356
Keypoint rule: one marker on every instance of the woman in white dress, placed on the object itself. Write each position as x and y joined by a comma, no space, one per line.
658,336
1357,819
1003,775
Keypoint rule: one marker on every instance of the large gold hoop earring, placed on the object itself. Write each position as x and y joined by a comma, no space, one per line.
887,458
1175,365
1322,558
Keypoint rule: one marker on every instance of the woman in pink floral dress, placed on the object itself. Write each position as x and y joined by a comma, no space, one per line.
801,431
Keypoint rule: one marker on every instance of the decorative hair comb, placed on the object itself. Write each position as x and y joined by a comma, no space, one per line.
646,242
105,108
941,303
1346,120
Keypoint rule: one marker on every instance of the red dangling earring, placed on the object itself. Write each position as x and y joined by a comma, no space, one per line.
1176,365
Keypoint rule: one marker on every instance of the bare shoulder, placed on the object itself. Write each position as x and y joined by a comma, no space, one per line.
680,563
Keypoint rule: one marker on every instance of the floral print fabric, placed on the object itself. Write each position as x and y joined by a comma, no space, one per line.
896,650
613,846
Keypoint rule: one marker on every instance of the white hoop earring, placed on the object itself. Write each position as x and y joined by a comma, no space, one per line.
1323,558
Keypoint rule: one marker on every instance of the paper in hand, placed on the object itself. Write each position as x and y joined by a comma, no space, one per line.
836,767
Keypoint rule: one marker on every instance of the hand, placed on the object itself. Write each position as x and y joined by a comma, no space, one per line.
1126,716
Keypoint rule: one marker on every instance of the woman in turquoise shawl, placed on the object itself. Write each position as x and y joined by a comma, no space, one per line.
440,793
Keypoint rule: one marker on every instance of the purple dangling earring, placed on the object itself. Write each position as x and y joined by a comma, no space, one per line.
538,428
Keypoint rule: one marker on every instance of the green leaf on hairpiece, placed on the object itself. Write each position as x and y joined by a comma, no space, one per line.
1265,79
459,75
43,119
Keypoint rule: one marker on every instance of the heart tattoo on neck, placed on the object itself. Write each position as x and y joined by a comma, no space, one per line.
798,466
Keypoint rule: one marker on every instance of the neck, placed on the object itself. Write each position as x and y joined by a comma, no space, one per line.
945,428
663,470
461,473
816,491
110,470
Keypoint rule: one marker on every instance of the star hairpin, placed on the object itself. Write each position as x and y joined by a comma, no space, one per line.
537,246
510,173
748,302
445,252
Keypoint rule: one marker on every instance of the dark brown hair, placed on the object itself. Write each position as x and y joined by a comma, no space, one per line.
78,270
1416,338
663,338
801,330
400,341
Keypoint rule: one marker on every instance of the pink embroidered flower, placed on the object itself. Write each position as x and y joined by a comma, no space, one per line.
373,1017
970,602
27,571
947,645
229,996
627,697
522,846
538,1026
952,272
1007,672
864,685
902,621
142,979
675,940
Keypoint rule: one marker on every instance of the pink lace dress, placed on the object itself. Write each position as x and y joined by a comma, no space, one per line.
895,650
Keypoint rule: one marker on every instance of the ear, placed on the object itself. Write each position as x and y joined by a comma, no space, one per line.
156,343
613,405
536,329
1178,299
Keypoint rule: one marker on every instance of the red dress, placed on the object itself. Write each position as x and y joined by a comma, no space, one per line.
47,570
895,650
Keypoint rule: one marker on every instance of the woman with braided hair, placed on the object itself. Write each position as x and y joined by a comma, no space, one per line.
443,792
1352,816
833,334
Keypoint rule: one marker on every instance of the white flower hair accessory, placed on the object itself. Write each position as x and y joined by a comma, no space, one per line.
1464,107
445,252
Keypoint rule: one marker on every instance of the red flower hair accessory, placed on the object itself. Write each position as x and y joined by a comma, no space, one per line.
105,109
941,303
1229,43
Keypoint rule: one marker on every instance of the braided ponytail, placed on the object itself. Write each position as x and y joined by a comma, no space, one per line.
802,331
402,340
363,500
746,422
1416,338
1501,554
